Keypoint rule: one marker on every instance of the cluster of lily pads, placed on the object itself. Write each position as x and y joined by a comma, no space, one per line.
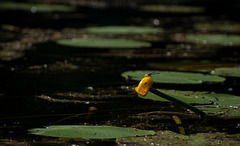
224,105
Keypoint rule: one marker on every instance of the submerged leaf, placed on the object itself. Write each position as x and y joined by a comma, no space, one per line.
89,132
174,77
103,43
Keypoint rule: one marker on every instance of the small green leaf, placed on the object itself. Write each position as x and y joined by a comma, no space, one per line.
89,132
173,77
103,43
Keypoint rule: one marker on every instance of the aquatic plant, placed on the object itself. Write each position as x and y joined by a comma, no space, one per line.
89,132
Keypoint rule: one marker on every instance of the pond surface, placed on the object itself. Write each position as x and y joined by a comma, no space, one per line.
46,83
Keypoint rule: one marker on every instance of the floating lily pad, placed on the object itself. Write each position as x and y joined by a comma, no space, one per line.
35,7
173,77
172,9
220,39
213,104
224,100
227,71
103,43
89,132
123,30
186,96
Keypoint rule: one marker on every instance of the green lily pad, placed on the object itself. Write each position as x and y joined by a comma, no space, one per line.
103,43
186,96
35,7
227,71
225,100
173,77
220,39
213,104
89,132
172,9
123,30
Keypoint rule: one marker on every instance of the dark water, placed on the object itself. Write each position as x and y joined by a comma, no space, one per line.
97,76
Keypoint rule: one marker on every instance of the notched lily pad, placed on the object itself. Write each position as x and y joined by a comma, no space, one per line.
227,71
173,77
103,43
123,30
89,132
221,39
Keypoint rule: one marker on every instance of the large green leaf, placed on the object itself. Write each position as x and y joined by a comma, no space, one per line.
186,96
215,39
103,43
123,30
35,7
89,132
173,77
227,71
172,9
